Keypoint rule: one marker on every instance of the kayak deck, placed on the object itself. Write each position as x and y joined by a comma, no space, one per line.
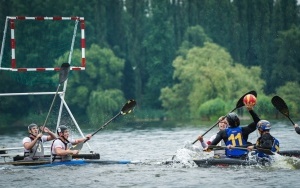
78,156
223,162
290,153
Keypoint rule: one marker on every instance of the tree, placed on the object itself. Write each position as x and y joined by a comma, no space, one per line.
285,68
98,89
194,36
160,51
290,93
207,73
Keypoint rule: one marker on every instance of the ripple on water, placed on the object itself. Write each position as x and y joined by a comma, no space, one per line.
156,169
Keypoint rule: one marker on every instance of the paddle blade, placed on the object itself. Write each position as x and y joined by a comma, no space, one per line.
63,72
240,102
77,146
265,151
280,105
128,107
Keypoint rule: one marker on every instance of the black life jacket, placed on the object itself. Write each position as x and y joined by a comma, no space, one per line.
266,141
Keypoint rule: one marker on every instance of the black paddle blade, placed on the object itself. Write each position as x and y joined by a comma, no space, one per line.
240,103
265,151
280,105
63,72
128,107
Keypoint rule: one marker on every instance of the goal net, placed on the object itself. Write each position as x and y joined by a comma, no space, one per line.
41,44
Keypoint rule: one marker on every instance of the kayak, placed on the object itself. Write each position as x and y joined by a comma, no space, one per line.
48,163
290,153
78,156
232,161
223,162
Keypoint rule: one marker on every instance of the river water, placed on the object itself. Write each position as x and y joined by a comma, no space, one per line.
152,146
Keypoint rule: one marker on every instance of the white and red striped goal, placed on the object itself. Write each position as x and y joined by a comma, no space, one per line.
24,39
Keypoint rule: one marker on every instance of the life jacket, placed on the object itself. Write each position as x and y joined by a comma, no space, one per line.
58,158
37,151
235,138
267,141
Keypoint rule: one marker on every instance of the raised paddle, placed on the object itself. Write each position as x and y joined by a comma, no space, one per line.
239,104
63,75
127,108
265,151
281,106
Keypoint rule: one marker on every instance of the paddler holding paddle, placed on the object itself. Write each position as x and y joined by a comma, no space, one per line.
222,124
233,119
60,149
32,149
265,141
235,135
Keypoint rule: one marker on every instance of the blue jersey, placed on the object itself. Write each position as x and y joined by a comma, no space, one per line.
235,138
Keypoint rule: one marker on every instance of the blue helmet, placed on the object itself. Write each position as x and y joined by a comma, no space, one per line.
233,120
263,125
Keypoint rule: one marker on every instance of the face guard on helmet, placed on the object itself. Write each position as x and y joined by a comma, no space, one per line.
233,120
263,125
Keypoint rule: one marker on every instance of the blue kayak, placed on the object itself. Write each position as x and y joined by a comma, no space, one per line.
48,163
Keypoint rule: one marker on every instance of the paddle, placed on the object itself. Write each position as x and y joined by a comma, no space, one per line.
15,148
266,151
63,75
126,109
281,106
239,104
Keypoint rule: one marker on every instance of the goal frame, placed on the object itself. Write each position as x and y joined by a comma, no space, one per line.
10,20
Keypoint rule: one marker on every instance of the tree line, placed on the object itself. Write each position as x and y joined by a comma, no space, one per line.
178,58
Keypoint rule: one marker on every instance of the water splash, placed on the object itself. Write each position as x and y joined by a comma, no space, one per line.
184,156
293,162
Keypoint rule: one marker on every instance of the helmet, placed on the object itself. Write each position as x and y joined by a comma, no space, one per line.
31,126
263,125
233,120
61,129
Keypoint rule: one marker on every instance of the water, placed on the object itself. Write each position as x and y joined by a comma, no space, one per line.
152,146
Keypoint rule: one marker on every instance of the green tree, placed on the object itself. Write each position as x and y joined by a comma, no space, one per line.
212,109
159,45
194,36
264,107
289,92
207,73
285,68
98,89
